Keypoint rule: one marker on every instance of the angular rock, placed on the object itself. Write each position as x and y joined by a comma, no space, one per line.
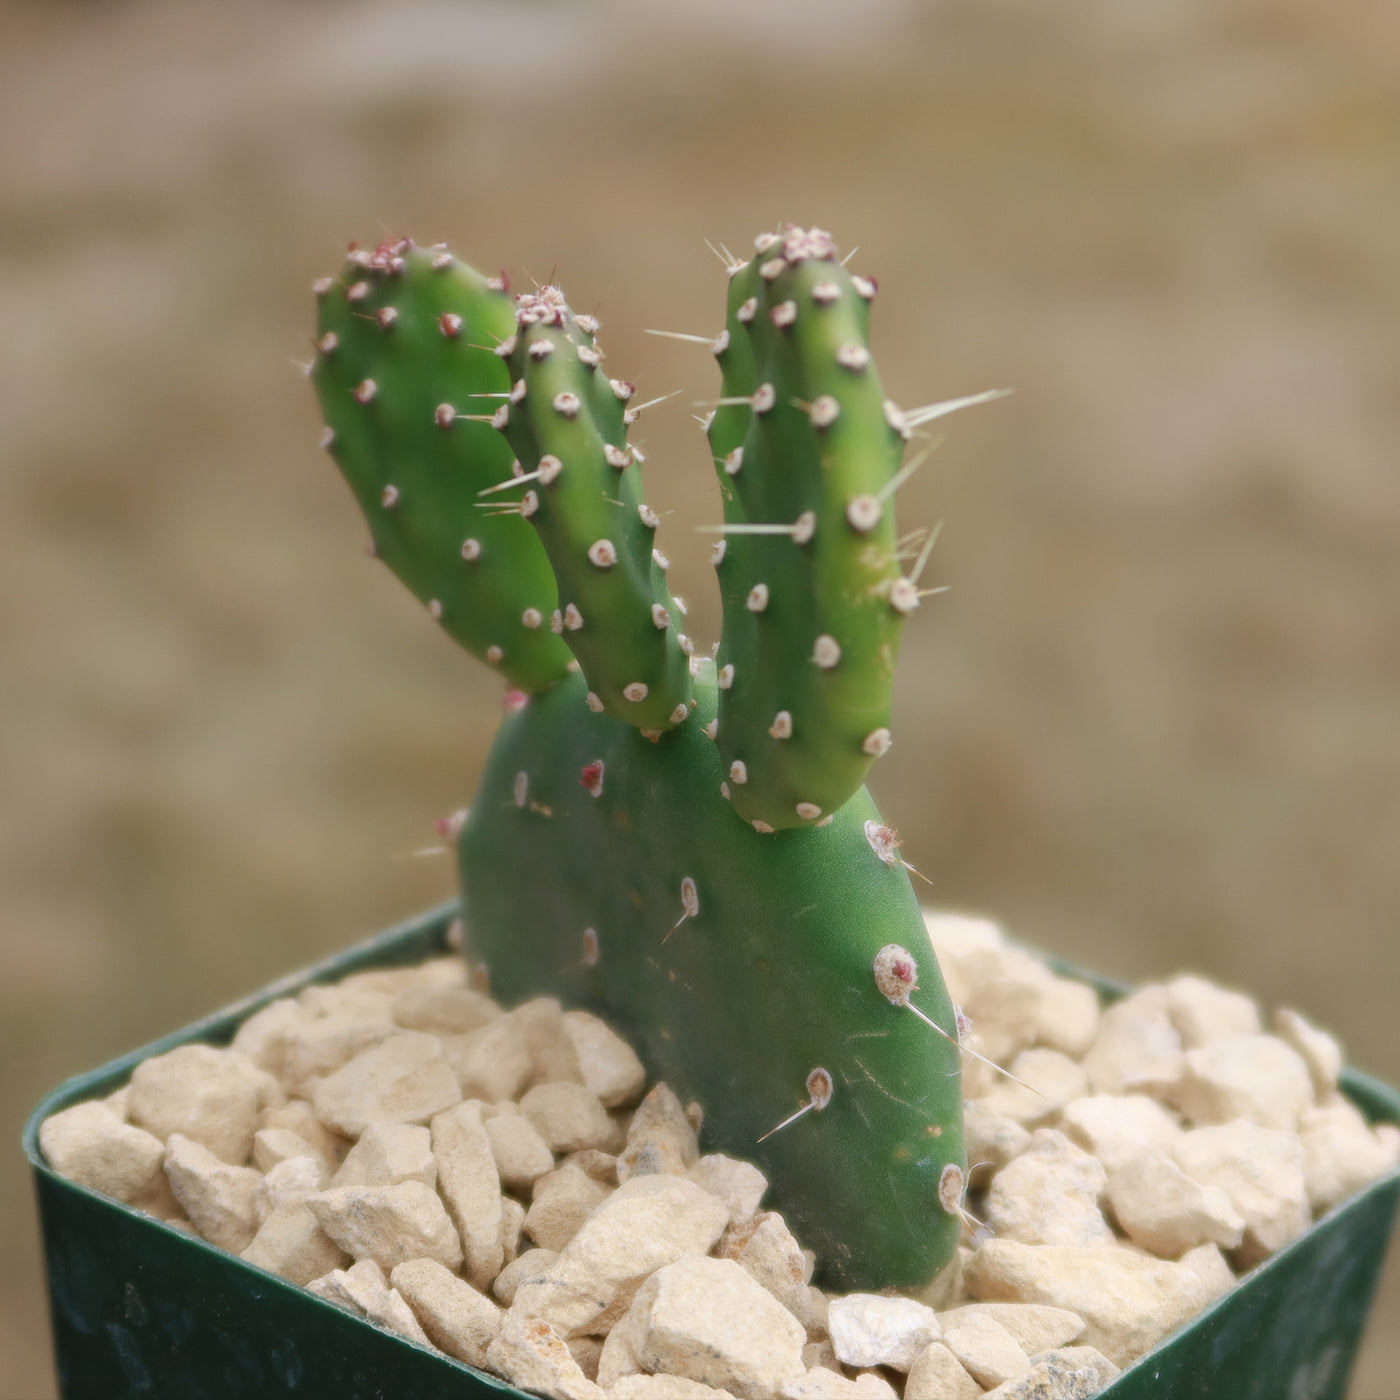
740,1185
1049,1195
390,1311
297,1116
522,1155
553,1059
1319,1051
1065,1016
822,1384
609,1065
1115,1127
159,1200
1341,1154
1071,1373
569,1118
1210,1266
388,1153
442,1010
532,1264
985,1349
291,1243
493,1063
405,1078
601,1166
706,1319
388,1224
344,1290
531,1354
646,1223
1034,1326
288,1183
320,1045
345,999
470,1187
1048,1081
773,1258
117,1102
660,1138
364,1289
1261,1171
218,1197
89,1144
641,1387
992,1138
1245,1076
1166,1212
563,1200
1203,1012
512,1223
457,1319
272,1146
869,1329
1128,1301
263,1036
447,970
938,1375
209,1096
1137,1048
1006,997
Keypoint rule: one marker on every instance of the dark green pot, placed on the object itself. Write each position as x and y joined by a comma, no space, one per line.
141,1309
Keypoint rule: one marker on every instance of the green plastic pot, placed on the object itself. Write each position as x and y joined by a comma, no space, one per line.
142,1309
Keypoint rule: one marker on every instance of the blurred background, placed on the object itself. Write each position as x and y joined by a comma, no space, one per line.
1153,725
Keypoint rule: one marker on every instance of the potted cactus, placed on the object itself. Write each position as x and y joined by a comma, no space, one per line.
678,842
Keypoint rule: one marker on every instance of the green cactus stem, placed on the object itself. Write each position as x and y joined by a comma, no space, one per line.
567,423
807,452
609,872
404,361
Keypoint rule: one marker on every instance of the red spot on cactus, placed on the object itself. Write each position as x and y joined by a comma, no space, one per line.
591,777
514,700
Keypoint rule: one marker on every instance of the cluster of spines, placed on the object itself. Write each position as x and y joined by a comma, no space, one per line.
577,480
807,450
402,334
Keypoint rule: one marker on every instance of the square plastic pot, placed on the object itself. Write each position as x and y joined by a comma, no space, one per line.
142,1309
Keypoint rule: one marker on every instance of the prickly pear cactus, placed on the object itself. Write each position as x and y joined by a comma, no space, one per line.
681,844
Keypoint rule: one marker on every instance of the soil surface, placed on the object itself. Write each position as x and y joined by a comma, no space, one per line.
1152,725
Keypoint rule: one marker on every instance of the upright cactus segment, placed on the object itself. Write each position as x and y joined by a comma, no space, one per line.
807,450
765,968
405,367
567,423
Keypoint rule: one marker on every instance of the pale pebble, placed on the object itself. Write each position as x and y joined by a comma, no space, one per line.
217,1196
870,1329
457,1318
389,1224
403,1079
89,1144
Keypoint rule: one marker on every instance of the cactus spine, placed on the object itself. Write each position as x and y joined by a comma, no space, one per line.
681,845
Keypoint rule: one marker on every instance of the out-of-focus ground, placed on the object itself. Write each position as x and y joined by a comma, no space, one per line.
1155,723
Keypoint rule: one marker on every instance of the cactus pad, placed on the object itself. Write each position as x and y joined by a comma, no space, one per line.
609,872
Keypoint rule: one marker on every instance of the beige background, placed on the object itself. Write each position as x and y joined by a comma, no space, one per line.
1155,723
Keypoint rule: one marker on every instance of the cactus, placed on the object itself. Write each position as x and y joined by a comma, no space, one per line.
680,844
